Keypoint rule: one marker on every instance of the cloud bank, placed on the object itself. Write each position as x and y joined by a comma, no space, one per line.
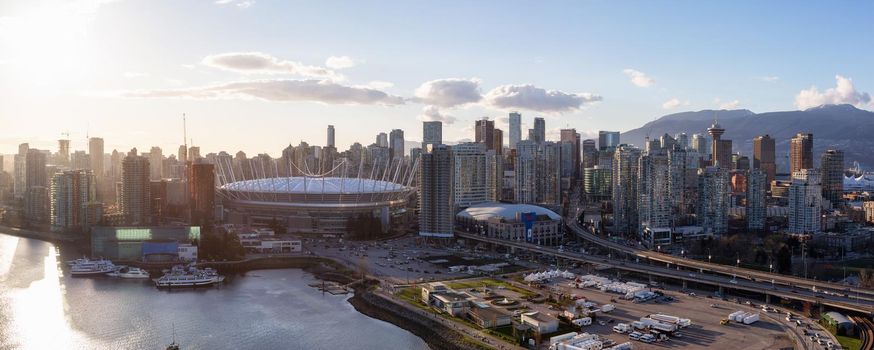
280,90
843,93
432,113
537,99
262,63
449,92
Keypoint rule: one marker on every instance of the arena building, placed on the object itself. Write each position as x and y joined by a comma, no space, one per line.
311,204
518,222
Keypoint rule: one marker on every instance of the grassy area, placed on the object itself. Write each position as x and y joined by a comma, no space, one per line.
850,343
490,283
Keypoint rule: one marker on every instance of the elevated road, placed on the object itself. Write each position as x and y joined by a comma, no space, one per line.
755,275
766,288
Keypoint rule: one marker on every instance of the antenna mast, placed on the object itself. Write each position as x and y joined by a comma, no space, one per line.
184,133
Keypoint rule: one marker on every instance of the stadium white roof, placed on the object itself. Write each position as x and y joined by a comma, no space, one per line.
861,183
314,185
488,210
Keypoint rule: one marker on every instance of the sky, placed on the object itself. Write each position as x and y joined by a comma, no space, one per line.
257,75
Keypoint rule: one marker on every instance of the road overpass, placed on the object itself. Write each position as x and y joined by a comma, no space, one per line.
757,286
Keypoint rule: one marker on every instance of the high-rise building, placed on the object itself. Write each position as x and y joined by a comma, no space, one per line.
538,173
436,203
471,183
432,133
756,209
36,195
63,152
193,154
182,154
608,140
713,200
382,139
396,139
539,131
572,137
805,201
201,203
515,129
764,156
801,152
682,140
156,163
484,132
832,165
498,145
667,142
701,144
19,182
331,140
626,163
72,192
597,183
590,153
95,152
135,190
678,184
654,196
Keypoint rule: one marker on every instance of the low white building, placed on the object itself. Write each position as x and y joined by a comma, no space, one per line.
541,323
187,252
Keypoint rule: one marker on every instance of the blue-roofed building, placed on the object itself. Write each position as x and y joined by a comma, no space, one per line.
141,243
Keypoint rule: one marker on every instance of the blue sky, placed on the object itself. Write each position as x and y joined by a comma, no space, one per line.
126,70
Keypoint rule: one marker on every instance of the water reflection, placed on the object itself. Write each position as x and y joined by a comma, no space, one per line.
41,308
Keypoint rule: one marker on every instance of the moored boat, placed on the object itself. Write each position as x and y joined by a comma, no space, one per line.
129,272
86,267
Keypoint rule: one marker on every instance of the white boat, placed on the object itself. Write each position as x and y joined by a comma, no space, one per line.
129,272
179,276
86,267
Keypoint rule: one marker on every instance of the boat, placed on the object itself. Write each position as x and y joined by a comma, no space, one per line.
173,345
86,267
129,272
180,277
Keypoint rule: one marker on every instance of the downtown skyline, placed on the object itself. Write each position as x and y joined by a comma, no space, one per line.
282,79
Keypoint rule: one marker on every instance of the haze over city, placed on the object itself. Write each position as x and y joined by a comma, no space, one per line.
129,69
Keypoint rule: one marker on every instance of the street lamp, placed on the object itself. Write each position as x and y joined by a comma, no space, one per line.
709,256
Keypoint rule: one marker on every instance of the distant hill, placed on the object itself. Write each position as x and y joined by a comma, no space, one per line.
833,127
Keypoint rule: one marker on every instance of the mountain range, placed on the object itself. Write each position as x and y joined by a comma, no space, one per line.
843,127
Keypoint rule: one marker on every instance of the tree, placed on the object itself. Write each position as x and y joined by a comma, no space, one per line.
866,278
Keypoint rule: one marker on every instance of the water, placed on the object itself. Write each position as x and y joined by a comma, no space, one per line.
43,308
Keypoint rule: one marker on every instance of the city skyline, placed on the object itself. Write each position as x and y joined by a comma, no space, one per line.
288,87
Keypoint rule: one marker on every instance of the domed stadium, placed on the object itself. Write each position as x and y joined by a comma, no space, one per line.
312,204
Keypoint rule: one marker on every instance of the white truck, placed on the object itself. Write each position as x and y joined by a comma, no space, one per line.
623,346
664,327
607,308
680,322
580,322
751,318
622,328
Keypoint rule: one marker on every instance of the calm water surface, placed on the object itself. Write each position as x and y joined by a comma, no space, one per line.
42,307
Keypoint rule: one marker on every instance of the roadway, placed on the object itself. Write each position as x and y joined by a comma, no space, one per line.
755,275
767,288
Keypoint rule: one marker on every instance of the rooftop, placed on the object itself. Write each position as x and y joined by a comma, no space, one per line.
488,210
314,185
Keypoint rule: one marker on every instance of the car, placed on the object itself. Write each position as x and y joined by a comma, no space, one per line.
714,306
634,335
647,338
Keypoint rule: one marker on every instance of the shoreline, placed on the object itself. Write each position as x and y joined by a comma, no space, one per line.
438,336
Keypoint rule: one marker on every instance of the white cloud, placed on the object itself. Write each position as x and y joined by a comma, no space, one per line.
242,4
262,63
449,92
638,78
726,105
843,93
674,103
537,99
432,113
340,62
280,90
769,78
379,85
